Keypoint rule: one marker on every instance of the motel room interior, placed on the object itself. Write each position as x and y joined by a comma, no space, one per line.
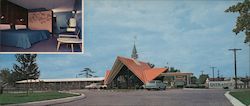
41,26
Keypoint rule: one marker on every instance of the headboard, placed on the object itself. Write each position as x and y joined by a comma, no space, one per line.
5,26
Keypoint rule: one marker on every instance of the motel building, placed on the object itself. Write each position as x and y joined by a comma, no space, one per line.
57,84
126,73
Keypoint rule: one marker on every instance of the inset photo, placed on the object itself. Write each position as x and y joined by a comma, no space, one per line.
41,26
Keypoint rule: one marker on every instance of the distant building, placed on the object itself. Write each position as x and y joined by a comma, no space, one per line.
177,79
223,84
246,82
216,79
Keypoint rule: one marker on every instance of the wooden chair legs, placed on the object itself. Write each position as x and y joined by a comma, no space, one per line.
72,47
58,46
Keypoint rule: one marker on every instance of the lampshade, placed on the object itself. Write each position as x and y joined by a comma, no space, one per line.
2,17
72,22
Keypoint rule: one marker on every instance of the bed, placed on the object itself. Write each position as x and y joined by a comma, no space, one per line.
23,38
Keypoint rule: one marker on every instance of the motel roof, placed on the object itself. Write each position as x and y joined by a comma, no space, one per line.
141,69
64,80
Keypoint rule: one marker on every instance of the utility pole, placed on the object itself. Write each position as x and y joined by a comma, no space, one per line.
235,65
218,73
213,71
249,60
202,72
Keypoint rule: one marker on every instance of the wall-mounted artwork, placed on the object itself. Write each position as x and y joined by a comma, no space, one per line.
40,20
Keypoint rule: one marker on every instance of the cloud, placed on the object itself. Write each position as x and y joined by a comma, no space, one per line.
191,36
181,33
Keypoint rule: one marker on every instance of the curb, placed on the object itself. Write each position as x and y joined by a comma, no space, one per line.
52,102
233,100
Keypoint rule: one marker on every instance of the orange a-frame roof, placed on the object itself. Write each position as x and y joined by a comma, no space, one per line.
141,69
106,76
153,73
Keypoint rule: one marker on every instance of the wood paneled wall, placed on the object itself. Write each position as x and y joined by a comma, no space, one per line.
13,14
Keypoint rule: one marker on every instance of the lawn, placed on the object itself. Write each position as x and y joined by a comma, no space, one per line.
11,98
243,96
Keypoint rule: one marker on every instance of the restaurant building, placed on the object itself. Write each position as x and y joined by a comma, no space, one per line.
128,73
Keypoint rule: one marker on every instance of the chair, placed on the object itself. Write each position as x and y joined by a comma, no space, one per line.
69,39
72,25
70,35
71,28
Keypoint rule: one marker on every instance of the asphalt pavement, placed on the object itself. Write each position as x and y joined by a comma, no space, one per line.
169,97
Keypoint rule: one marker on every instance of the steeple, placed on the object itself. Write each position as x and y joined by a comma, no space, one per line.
134,54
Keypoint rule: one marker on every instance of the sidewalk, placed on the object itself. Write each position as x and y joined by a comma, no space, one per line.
52,102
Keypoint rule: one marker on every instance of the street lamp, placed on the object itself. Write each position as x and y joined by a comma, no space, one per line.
235,65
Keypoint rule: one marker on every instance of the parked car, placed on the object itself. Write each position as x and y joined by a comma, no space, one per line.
179,84
96,86
103,87
155,84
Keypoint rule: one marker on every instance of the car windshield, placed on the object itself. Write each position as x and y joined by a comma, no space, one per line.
155,81
152,81
158,81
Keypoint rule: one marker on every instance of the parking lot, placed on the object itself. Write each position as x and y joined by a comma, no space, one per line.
170,97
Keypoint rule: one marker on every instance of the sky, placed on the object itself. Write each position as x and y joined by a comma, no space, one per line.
189,35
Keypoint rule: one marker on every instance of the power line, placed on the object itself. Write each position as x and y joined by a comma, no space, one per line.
235,65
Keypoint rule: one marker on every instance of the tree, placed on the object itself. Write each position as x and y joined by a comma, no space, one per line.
4,78
193,80
172,69
26,68
5,75
203,78
87,72
243,21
